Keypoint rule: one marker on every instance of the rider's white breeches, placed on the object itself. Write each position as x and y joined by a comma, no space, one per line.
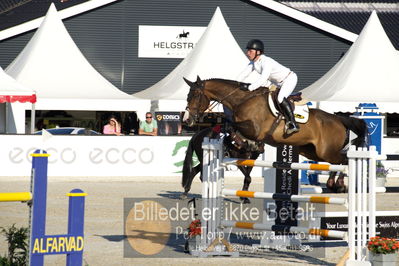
288,86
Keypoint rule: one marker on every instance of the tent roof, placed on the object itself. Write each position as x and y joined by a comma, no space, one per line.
368,72
62,77
12,91
53,65
204,60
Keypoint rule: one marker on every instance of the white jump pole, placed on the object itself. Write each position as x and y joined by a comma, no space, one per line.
279,196
281,165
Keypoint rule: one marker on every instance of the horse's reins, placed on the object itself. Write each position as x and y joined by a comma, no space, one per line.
216,102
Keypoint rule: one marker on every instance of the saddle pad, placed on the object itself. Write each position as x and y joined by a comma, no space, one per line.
301,112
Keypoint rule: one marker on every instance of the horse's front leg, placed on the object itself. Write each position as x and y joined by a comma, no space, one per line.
189,180
339,185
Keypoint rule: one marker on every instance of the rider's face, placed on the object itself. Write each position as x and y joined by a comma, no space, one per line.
251,54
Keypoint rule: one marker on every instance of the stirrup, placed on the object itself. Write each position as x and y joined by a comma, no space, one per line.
291,127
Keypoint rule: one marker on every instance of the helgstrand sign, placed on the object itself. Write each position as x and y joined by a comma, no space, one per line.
168,41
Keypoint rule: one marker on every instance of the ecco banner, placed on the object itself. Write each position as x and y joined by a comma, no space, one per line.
168,41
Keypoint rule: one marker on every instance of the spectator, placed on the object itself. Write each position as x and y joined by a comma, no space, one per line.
113,127
148,127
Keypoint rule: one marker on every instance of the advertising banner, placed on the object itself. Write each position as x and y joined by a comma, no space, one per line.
99,156
168,123
168,41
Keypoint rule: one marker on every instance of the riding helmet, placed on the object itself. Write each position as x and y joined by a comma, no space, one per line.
256,45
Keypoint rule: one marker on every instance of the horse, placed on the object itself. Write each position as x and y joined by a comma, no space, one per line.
322,138
183,35
195,145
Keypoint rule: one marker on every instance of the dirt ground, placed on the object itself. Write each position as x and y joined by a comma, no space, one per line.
104,222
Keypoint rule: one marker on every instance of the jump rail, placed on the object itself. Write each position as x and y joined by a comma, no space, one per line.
282,165
280,196
15,196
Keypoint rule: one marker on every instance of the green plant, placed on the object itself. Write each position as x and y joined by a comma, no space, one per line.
380,170
17,246
382,245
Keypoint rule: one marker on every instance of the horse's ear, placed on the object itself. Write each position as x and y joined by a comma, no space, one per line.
189,83
199,82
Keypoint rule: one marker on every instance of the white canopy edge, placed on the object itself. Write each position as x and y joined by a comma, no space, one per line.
307,19
65,13
9,86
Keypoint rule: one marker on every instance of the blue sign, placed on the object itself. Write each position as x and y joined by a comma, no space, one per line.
374,123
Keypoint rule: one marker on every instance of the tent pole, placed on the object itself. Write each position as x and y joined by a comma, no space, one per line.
32,119
6,120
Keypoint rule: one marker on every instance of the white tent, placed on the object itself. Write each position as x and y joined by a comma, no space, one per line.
367,73
10,92
216,55
62,77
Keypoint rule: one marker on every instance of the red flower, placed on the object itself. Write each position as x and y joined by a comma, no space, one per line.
382,245
194,228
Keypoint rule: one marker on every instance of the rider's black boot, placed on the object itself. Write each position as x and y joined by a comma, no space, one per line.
290,123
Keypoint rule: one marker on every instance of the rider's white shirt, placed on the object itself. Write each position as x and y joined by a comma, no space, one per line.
269,70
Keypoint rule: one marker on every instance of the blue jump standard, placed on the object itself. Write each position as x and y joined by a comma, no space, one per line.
72,243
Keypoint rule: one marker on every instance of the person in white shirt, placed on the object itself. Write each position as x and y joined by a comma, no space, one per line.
271,72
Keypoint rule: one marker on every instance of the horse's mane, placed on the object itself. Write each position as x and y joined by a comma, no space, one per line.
230,82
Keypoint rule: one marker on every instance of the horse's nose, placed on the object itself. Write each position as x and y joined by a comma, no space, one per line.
186,115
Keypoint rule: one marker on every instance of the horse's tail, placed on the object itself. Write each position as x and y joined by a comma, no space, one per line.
188,164
359,127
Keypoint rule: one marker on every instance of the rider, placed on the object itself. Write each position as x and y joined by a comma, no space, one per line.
271,71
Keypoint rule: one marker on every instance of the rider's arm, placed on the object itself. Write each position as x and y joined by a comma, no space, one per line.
266,70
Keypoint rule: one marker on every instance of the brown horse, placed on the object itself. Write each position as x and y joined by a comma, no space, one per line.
322,138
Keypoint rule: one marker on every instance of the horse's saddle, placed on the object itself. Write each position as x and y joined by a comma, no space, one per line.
301,109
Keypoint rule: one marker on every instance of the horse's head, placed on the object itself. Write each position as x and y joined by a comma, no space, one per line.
197,101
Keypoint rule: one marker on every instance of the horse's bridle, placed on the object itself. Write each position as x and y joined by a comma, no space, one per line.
212,105
201,94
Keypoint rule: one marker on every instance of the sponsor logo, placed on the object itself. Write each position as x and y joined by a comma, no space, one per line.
96,155
183,145
168,117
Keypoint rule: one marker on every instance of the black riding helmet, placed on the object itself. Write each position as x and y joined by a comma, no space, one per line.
256,45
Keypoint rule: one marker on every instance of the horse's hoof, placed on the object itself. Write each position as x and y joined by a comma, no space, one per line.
331,190
245,201
183,196
341,189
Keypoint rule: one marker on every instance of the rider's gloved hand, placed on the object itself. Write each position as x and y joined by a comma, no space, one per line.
244,86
